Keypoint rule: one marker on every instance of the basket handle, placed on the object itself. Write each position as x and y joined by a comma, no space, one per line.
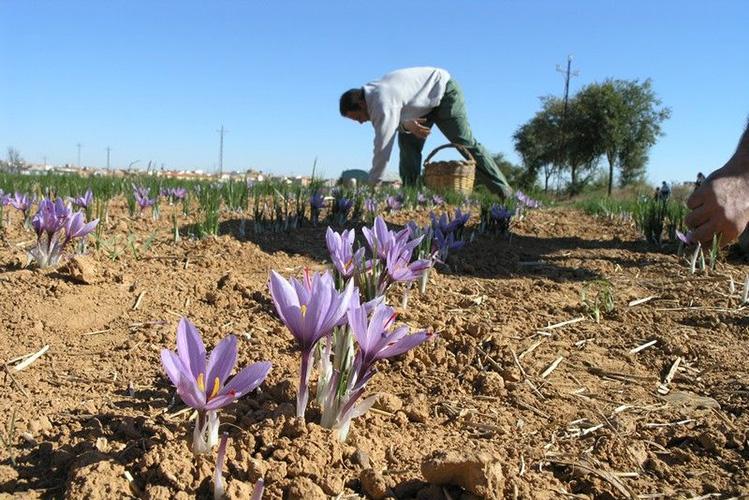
462,149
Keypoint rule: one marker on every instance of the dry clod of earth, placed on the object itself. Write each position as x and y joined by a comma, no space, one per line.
478,473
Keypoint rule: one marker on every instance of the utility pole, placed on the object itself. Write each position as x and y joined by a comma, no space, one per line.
221,150
79,154
568,73
108,150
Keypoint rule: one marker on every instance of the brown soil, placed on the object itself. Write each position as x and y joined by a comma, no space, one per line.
471,412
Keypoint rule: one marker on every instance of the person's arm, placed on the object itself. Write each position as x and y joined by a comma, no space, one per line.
385,124
721,204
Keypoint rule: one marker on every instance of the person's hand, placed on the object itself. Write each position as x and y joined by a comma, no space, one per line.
721,204
417,128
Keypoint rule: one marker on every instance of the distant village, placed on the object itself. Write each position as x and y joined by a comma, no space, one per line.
187,175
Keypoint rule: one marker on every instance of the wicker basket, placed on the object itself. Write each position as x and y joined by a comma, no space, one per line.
456,175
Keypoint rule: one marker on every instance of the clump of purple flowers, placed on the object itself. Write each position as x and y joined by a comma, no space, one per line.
173,194
203,384
316,203
499,219
314,311
394,202
56,226
84,201
22,203
526,201
141,196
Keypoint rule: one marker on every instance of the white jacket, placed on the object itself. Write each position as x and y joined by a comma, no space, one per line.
398,97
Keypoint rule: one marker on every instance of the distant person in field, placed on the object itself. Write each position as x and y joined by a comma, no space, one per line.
665,192
721,204
657,195
406,103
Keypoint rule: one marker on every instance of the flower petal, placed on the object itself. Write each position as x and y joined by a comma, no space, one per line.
190,347
222,361
248,379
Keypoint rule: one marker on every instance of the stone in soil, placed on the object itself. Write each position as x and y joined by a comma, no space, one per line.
477,473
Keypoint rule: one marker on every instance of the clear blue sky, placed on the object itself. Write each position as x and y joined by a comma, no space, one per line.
156,79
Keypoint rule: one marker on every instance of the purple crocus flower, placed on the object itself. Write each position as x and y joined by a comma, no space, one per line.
687,239
179,193
421,199
203,385
84,201
76,226
376,340
526,200
380,239
141,197
437,199
444,244
48,222
344,205
317,201
341,248
370,205
399,266
394,203
310,309
21,202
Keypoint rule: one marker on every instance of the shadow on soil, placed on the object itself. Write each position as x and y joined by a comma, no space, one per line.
488,256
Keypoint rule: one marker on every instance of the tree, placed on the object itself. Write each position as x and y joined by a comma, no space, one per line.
14,163
622,120
515,174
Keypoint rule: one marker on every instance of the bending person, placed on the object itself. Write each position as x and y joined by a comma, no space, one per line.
406,103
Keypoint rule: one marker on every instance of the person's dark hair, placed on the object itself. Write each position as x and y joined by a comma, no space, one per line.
351,100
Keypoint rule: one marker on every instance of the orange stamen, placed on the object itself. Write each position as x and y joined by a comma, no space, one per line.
216,387
201,382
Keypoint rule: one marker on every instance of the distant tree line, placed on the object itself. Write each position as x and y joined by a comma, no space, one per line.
617,120
14,162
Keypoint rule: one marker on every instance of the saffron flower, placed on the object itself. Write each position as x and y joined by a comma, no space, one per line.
377,340
437,200
421,199
344,205
203,384
370,205
394,203
141,195
500,218
526,200
341,248
399,266
317,201
21,202
310,309
84,201
48,223
444,244
380,239
686,239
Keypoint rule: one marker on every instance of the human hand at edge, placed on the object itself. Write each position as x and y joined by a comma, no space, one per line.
721,204
417,128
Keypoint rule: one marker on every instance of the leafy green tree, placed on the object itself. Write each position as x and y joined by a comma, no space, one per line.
622,119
